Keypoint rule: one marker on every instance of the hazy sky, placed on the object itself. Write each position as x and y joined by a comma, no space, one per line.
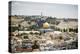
47,9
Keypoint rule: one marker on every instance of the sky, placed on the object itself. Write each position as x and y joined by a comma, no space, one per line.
47,9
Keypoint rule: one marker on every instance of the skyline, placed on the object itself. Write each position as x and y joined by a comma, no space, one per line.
47,9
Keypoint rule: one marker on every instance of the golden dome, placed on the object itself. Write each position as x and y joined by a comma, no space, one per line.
45,25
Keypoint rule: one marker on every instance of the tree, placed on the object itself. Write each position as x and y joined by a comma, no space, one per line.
36,33
76,30
19,26
13,29
70,29
34,27
26,37
29,22
40,33
31,33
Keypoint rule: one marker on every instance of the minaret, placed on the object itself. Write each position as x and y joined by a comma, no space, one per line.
41,14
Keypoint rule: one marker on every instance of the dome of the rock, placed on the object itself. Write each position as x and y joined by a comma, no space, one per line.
45,25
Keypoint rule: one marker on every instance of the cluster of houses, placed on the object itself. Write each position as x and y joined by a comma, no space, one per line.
51,33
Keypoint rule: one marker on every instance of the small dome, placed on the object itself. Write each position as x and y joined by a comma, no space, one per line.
45,25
